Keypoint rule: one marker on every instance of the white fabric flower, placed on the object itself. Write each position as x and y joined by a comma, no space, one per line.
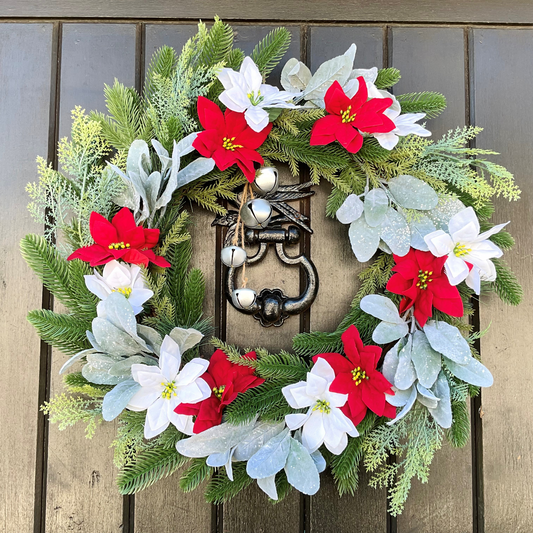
246,93
122,278
405,125
464,245
164,387
324,422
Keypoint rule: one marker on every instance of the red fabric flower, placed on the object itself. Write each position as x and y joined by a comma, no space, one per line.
228,139
348,117
120,239
420,277
226,380
356,375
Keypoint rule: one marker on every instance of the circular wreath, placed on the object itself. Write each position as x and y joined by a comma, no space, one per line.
396,374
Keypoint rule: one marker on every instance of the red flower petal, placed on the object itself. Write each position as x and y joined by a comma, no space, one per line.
361,96
102,231
124,222
373,399
336,361
343,383
95,255
156,259
323,131
352,343
151,237
335,100
346,133
452,307
389,411
209,113
357,406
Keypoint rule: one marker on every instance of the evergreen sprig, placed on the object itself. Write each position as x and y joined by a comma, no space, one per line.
430,103
268,52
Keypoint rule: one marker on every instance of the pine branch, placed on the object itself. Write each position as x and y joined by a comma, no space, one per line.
506,285
64,332
430,103
268,52
151,466
221,488
459,433
162,64
387,77
195,475
282,366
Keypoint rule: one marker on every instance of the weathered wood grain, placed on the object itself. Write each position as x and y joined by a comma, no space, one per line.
355,11
161,507
82,492
337,269
25,56
502,69
433,60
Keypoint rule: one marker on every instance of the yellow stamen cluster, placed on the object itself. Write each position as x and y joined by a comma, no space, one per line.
424,279
255,99
358,375
322,406
219,391
461,250
126,291
169,391
119,245
227,143
347,115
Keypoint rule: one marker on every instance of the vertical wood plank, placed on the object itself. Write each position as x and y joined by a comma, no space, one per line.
164,507
432,59
82,492
502,69
25,57
250,510
337,269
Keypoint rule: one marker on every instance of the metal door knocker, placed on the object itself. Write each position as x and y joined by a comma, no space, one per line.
255,224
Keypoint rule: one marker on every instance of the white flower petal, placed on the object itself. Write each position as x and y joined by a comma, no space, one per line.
296,396
439,243
171,347
485,250
184,423
191,371
336,399
313,433
456,269
462,219
97,287
143,398
191,393
139,296
339,447
169,365
473,280
235,99
156,418
486,234
316,385
323,369
256,118
146,376
342,422
296,420
387,140
251,74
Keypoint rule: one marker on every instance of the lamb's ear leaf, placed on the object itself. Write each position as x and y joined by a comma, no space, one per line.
116,400
301,470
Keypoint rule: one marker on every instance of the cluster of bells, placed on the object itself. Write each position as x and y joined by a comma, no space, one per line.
254,214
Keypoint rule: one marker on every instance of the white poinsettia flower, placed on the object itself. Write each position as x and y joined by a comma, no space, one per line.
469,252
245,92
165,386
122,278
324,422
406,124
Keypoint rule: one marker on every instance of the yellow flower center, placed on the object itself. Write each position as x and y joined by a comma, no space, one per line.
322,406
119,245
255,99
219,391
227,143
347,115
126,291
424,279
169,391
358,375
461,250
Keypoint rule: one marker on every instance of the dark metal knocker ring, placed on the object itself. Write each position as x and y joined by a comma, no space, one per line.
272,306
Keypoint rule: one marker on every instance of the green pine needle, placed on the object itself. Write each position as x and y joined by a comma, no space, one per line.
268,52
430,103
387,77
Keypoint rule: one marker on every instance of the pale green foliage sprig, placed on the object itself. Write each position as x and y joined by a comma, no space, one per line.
414,440
66,411
452,160
63,200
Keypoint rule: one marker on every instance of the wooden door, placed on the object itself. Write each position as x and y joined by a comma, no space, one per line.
57,54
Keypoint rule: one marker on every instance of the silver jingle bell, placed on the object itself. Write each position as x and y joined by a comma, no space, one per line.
256,213
243,298
233,256
266,180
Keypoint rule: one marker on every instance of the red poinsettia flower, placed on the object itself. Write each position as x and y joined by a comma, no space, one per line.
226,380
228,139
348,117
120,239
356,375
420,277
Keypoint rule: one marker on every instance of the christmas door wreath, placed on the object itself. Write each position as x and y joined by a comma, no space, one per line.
115,254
